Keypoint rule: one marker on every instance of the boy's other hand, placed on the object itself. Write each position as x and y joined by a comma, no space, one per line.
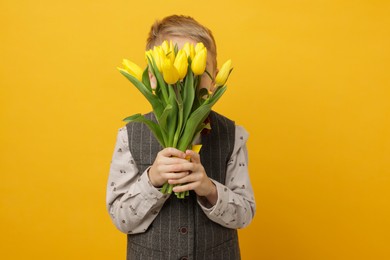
197,180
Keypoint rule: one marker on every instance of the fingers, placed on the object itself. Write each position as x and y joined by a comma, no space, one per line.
175,175
195,158
170,165
192,177
185,187
172,152
201,186
187,178
175,166
187,175
167,162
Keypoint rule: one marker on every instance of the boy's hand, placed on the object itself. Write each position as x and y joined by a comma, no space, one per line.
170,165
166,166
197,181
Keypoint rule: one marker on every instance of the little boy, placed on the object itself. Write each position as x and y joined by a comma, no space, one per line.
203,225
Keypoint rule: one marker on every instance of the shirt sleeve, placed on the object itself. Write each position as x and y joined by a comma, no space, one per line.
132,201
235,207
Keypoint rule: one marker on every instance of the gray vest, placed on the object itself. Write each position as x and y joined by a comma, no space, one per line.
181,230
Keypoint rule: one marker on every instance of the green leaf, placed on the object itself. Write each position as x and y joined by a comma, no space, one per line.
188,94
196,103
203,92
153,100
146,79
155,128
176,49
216,95
179,126
202,95
160,80
132,118
195,119
162,120
172,116
201,127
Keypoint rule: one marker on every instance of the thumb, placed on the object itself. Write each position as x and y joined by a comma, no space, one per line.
193,156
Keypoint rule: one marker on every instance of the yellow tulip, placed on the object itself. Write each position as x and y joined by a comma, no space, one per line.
223,73
199,46
157,54
148,54
171,53
170,73
189,49
168,50
133,69
165,46
199,62
181,63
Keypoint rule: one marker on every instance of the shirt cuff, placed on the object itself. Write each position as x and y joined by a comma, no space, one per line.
221,201
147,189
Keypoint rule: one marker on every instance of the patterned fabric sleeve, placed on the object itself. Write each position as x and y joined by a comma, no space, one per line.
132,201
236,206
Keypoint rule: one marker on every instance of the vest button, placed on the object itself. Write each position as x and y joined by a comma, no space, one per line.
184,258
183,230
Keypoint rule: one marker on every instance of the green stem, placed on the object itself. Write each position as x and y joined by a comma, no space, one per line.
170,187
164,188
180,120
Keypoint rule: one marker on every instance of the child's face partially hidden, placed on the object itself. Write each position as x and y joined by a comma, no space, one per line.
205,81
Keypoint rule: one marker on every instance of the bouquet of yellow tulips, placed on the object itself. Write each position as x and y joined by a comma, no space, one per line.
179,106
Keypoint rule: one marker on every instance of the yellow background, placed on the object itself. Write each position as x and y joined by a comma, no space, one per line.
311,85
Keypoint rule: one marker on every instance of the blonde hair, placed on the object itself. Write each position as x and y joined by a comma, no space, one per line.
182,26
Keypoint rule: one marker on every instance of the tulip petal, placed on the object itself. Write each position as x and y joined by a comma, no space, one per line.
199,62
170,73
133,69
224,73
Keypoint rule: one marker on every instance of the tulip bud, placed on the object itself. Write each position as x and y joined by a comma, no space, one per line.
170,73
133,69
171,53
189,49
223,73
165,46
168,50
157,54
199,46
148,54
181,63
199,62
